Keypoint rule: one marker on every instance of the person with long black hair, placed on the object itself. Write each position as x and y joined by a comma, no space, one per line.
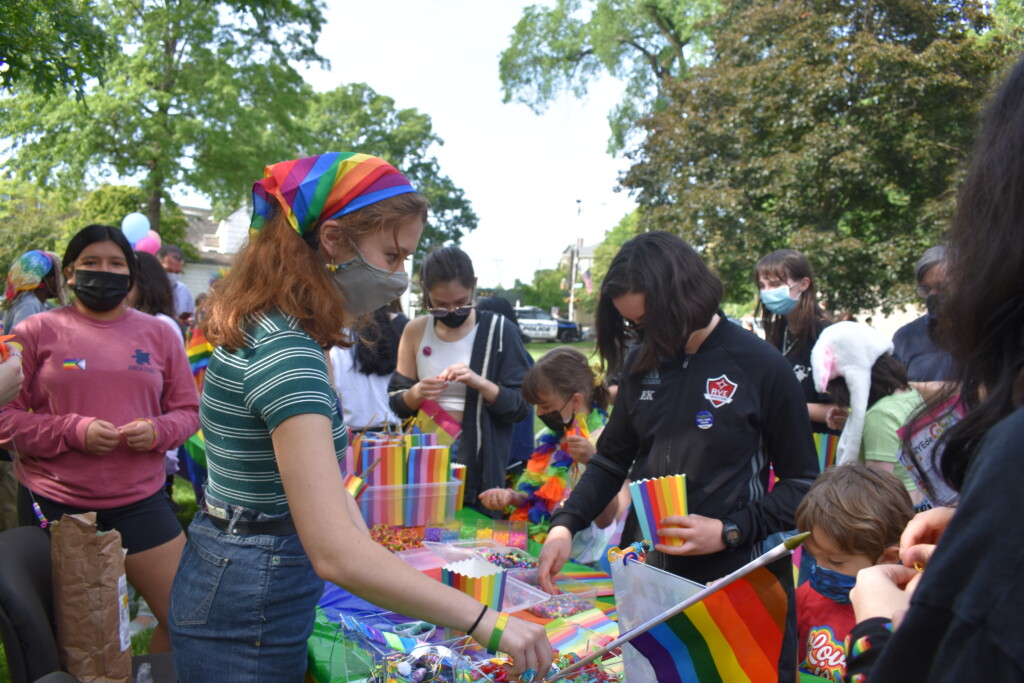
961,619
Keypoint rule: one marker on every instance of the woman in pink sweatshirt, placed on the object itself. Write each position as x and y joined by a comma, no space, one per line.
107,390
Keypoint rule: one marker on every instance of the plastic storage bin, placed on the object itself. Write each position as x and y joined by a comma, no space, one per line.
575,596
411,504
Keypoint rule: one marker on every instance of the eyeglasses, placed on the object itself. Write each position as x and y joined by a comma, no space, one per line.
924,291
461,311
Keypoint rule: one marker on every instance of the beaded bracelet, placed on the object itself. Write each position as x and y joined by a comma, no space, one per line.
499,628
477,622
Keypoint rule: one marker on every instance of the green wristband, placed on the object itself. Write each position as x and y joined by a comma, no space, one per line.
499,628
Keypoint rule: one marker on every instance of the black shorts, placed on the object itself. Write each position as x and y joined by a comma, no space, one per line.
144,524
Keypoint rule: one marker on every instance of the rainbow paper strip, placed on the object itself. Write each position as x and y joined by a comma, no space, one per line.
459,472
433,418
595,578
733,635
477,578
655,499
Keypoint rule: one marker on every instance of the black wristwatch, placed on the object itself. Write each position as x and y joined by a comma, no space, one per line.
730,534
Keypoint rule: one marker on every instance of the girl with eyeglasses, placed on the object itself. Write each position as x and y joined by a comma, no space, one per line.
471,363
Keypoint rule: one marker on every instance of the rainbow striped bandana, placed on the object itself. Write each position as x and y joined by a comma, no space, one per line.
326,186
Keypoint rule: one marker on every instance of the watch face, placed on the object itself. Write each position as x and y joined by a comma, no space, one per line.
733,535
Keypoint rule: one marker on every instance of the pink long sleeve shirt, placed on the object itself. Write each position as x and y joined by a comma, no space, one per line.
78,369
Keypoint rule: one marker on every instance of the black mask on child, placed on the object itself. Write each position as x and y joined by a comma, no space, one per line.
554,420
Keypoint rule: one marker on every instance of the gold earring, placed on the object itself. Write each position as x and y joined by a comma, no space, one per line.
332,267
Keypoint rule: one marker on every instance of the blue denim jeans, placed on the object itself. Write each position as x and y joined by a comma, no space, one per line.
242,606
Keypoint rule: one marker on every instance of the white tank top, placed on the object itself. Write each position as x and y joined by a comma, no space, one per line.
434,355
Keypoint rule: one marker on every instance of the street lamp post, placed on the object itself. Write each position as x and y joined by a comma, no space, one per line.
574,261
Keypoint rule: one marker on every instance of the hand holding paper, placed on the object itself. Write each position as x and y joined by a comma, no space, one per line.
690,535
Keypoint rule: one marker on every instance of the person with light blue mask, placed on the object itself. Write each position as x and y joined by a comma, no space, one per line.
792,320
856,515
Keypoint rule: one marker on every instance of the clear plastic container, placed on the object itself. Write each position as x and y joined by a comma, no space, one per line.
575,596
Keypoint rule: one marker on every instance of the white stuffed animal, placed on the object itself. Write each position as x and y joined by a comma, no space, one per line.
849,350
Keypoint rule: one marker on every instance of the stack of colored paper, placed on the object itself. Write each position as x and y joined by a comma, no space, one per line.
459,472
655,499
478,578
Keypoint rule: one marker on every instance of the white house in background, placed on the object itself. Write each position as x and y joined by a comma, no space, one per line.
217,244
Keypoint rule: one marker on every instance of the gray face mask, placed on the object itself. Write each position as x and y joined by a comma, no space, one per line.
367,287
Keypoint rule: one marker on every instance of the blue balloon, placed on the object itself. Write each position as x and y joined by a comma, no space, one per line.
135,226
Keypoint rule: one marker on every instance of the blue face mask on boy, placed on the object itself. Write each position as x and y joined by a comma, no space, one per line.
777,300
833,585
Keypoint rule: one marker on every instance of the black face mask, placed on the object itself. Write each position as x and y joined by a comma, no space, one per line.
453,320
101,291
554,420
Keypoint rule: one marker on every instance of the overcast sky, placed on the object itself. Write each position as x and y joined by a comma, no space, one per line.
523,173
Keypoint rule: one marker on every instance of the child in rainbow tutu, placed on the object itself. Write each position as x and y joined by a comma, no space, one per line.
562,386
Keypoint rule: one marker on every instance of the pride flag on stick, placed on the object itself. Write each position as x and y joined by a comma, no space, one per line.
736,637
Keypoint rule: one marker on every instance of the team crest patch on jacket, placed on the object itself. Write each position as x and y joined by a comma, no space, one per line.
719,391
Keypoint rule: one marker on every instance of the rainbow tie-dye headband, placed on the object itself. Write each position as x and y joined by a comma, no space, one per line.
326,186
29,270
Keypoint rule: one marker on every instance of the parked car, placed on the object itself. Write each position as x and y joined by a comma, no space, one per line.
539,325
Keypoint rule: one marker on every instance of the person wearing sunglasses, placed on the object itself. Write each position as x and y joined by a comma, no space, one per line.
471,363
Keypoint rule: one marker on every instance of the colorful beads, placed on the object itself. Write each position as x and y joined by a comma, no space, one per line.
511,560
396,538
563,605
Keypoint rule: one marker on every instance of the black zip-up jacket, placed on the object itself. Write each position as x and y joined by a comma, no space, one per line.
721,416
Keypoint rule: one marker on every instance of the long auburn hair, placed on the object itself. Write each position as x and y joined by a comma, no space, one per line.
681,296
982,316
807,320
279,269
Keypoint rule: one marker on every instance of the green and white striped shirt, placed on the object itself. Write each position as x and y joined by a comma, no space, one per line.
281,372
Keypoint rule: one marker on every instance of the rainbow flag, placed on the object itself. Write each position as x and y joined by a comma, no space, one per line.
74,364
734,635
198,350
354,485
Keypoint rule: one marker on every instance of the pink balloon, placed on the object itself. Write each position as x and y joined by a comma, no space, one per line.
153,234
148,245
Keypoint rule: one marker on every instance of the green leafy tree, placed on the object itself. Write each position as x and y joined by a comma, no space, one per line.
831,127
649,44
355,117
30,218
200,94
51,46
550,289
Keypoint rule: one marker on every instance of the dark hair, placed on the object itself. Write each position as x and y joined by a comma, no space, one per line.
863,510
171,250
446,264
376,345
982,316
499,305
807,320
91,234
564,371
888,375
681,296
153,293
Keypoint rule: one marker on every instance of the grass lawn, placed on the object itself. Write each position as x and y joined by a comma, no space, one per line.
186,499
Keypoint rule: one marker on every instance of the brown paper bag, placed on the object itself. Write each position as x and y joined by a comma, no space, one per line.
90,601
